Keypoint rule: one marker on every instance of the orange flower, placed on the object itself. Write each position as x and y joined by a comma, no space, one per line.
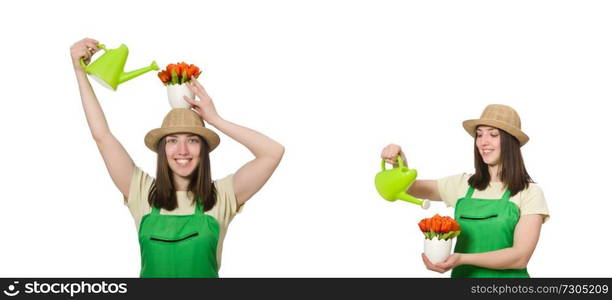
184,72
173,67
182,68
192,71
423,225
446,225
164,76
436,224
455,226
442,227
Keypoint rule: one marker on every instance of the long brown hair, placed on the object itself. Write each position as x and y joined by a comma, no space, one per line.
513,172
163,192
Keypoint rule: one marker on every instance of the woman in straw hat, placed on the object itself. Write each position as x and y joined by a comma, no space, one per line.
499,208
182,215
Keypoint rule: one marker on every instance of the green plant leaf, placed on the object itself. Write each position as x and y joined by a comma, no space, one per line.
175,79
455,233
184,77
446,235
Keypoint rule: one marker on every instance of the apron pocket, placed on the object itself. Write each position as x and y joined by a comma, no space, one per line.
177,240
478,218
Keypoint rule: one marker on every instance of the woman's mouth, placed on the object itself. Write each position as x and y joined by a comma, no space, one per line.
182,161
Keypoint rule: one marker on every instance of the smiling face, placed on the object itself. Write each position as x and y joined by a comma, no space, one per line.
488,144
183,153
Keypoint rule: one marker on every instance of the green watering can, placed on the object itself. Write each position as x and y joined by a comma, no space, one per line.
393,184
108,68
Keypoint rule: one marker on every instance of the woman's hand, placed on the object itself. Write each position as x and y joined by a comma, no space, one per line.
85,49
204,107
442,267
390,153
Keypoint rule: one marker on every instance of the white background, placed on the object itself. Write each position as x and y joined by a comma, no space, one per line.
333,81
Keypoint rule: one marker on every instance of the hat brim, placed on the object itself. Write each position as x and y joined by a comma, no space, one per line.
470,127
153,136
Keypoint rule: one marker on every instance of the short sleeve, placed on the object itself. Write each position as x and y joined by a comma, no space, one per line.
452,188
227,206
137,200
532,202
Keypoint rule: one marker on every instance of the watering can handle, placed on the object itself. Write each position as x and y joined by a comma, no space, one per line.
100,46
399,160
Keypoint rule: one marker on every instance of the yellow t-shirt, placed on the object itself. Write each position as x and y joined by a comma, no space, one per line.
224,210
529,201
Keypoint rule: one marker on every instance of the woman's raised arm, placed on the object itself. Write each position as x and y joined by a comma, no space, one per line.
118,162
268,153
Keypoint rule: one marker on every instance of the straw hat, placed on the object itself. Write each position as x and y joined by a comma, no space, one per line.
181,120
499,116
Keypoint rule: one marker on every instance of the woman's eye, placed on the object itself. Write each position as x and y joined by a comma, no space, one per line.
193,141
171,141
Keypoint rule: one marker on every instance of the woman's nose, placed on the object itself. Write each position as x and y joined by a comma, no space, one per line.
182,148
483,141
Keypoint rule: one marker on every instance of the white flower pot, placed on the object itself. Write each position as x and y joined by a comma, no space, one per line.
176,93
438,250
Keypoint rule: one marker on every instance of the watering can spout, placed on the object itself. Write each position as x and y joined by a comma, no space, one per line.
125,76
408,198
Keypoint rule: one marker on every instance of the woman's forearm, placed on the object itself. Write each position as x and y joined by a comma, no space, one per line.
425,189
259,144
93,111
508,258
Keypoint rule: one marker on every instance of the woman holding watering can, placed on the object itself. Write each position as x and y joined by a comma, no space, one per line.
182,215
499,208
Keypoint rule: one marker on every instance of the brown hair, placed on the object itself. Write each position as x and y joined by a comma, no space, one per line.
513,172
163,192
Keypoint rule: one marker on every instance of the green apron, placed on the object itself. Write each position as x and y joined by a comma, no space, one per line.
486,225
178,246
